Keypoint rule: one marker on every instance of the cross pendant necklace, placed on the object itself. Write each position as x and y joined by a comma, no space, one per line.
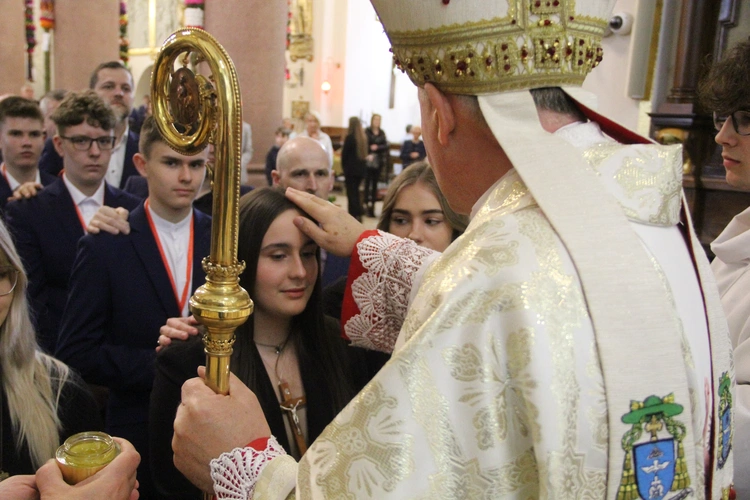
289,406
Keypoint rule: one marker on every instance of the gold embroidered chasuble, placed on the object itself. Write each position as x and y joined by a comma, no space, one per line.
495,389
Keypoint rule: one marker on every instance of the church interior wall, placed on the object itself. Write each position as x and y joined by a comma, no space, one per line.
350,53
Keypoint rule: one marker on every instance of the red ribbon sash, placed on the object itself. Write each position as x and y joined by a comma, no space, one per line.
182,298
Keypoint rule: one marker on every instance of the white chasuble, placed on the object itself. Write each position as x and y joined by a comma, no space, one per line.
495,389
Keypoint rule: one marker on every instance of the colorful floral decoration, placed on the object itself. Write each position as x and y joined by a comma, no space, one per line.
30,39
47,22
47,17
288,23
124,42
194,13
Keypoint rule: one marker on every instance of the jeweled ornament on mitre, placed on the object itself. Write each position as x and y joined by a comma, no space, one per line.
487,46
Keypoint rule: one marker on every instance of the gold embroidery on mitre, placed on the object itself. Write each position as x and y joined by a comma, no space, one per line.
537,44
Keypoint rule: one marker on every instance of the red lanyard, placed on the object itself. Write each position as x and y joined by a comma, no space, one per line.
5,174
181,300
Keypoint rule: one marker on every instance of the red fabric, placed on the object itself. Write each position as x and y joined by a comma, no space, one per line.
611,128
258,444
349,308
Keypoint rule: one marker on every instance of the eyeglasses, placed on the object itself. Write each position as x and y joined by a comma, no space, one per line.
8,280
83,143
740,121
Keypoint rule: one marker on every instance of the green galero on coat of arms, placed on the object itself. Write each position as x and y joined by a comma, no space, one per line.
654,462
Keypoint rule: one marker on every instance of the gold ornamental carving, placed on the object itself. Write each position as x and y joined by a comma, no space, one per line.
192,110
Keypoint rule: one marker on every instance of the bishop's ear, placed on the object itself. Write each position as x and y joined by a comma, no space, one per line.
443,113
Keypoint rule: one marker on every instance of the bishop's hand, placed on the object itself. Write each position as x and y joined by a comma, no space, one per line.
208,424
337,231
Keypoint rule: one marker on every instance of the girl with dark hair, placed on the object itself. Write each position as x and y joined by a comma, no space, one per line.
287,345
353,156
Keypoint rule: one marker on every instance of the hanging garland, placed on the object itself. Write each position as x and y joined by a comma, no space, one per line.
194,13
288,23
30,40
124,43
47,16
47,22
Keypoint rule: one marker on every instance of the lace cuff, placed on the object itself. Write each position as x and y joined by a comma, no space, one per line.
381,275
235,473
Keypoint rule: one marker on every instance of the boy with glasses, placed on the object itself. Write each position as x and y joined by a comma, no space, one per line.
113,82
725,91
47,227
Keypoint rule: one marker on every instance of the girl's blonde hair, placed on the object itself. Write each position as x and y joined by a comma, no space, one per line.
32,380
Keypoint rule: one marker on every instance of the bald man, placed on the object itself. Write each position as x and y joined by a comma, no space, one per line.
303,164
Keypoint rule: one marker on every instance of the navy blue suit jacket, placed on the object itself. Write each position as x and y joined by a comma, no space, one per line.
335,268
52,163
6,192
46,229
120,295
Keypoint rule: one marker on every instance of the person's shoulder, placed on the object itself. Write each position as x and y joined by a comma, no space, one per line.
45,197
332,327
136,185
116,197
202,221
47,178
182,356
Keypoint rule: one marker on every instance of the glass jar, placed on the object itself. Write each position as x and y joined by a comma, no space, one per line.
84,454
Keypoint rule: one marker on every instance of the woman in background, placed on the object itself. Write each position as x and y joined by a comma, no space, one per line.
43,402
353,156
415,208
312,130
413,149
377,161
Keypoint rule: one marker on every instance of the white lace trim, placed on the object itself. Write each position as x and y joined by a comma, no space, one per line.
235,473
382,291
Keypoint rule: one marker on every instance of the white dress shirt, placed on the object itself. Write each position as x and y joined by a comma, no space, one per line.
87,205
175,242
117,160
13,183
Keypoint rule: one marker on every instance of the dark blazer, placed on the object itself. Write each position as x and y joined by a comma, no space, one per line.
335,268
178,362
137,185
410,147
52,163
46,230
120,295
6,192
352,165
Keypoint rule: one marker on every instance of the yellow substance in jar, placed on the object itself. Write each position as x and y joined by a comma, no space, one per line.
84,454
90,454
